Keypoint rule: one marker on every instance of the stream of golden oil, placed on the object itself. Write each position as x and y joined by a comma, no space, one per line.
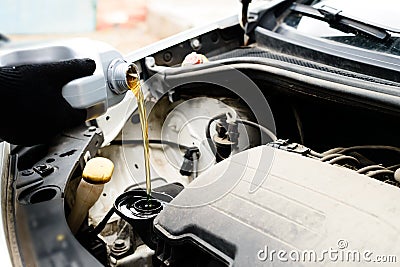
133,81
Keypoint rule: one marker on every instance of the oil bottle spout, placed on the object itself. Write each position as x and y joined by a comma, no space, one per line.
117,75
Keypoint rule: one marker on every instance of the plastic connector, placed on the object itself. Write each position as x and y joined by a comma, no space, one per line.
233,132
191,154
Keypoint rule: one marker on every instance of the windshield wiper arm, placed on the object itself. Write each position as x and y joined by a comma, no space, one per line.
340,22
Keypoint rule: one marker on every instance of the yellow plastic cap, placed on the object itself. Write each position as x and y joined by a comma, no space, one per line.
98,170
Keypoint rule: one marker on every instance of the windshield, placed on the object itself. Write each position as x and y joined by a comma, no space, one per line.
380,13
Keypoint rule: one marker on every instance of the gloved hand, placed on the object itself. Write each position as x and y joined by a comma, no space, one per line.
32,108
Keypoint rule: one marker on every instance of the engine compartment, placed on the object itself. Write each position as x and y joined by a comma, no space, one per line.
283,159
358,141
319,140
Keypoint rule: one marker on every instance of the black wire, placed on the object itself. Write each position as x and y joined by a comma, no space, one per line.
97,230
245,9
261,128
208,134
151,141
245,122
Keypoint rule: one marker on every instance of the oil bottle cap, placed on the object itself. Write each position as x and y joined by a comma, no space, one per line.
116,76
98,170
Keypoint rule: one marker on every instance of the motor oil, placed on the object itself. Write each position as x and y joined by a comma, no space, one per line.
133,82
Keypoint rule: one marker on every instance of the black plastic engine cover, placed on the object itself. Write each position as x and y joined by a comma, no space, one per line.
265,200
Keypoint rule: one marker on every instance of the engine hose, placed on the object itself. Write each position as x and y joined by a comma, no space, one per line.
316,154
331,157
382,147
341,158
370,168
332,151
379,172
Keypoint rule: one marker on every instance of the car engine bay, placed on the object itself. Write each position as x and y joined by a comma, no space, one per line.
316,160
178,131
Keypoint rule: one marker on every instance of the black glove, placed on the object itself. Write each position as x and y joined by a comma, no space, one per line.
32,107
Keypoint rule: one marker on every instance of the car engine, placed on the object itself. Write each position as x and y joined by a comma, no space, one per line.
253,150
